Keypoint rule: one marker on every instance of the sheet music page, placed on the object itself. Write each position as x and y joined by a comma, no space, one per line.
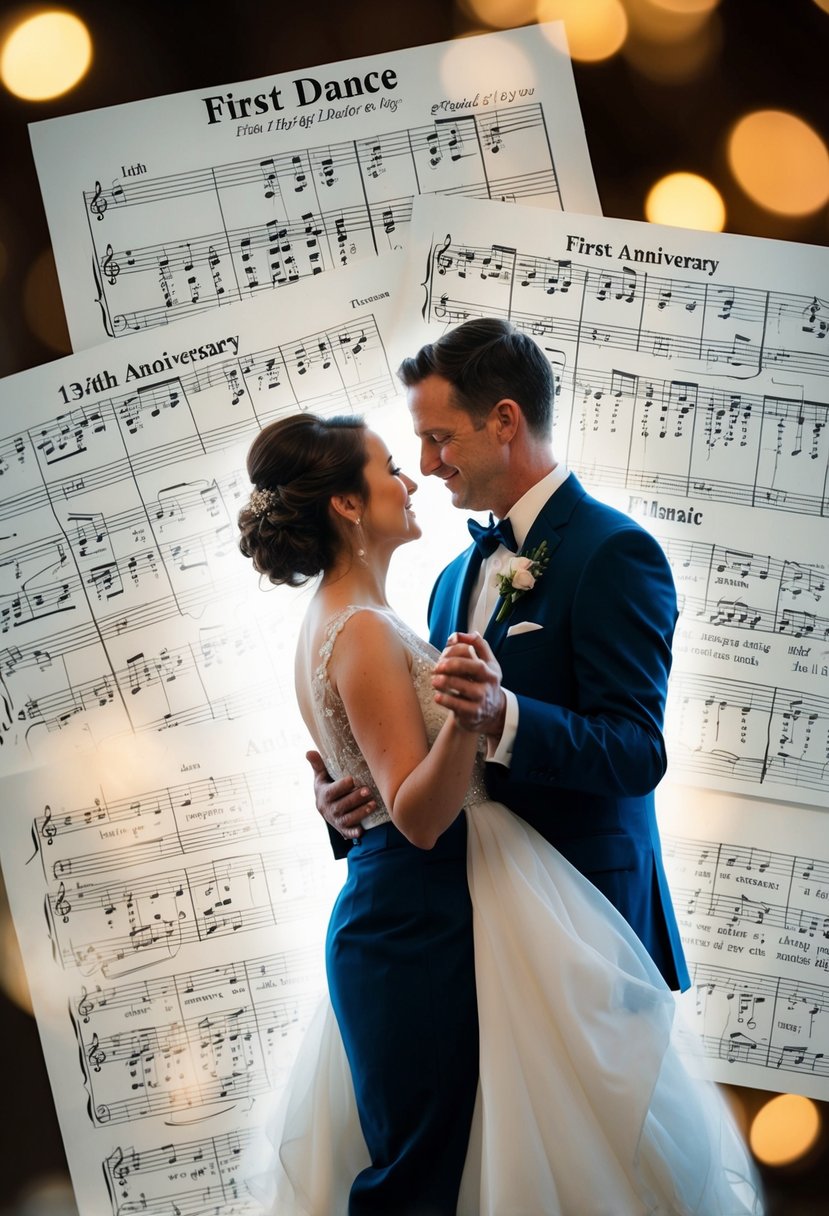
165,208
691,392
170,894
750,881
168,875
125,605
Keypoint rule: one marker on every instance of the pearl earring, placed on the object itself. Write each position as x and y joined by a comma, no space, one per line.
361,553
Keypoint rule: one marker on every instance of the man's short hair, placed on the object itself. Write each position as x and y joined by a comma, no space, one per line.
485,360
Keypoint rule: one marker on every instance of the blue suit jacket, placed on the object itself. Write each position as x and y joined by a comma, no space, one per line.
591,687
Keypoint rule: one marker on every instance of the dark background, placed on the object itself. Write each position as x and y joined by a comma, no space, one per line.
765,54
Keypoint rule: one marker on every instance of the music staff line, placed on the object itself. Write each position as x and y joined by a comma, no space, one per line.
288,968
738,355
751,910
115,927
318,204
106,563
73,436
143,673
757,733
176,819
667,297
751,860
442,137
278,239
748,1019
206,1173
663,434
336,351
755,592
208,1044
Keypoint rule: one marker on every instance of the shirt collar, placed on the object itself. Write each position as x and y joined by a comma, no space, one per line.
523,514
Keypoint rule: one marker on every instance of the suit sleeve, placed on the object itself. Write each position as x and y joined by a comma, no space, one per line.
610,741
339,846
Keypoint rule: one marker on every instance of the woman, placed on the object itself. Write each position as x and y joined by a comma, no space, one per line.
583,1106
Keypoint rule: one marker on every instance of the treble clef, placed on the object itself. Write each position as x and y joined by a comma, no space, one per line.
48,830
85,1006
117,1168
99,204
95,1055
442,259
62,904
110,267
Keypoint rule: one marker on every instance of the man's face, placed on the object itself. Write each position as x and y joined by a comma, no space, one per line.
465,456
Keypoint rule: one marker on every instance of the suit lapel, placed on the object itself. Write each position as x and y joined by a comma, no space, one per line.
459,613
549,525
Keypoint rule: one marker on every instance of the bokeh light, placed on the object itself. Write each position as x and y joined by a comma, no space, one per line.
679,60
784,1129
658,24
596,29
42,305
500,14
686,200
13,980
823,4
780,162
461,73
686,6
45,55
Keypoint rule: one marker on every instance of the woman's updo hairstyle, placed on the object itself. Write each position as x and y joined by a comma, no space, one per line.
296,465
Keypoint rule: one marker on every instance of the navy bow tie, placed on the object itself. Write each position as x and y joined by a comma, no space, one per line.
488,539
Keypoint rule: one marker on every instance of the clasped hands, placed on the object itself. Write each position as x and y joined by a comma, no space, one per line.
467,681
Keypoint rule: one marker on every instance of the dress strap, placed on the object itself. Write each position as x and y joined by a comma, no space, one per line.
333,628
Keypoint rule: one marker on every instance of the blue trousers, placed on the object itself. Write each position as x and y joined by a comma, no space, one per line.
400,962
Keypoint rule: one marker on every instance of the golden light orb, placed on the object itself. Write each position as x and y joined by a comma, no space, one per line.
45,55
596,29
823,4
500,14
686,6
462,73
784,1129
42,305
12,972
657,24
780,161
675,63
686,200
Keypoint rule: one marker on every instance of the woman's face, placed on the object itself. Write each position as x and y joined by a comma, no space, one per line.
388,515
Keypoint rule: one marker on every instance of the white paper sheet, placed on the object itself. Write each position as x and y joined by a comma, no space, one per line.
692,377
163,208
168,875
692,393
124,601
170,898
750,881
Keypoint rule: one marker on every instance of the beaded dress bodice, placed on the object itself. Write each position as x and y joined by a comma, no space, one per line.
337,743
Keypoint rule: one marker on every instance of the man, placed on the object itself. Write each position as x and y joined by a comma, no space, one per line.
576,699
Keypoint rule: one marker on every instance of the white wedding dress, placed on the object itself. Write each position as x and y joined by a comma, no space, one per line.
584,1107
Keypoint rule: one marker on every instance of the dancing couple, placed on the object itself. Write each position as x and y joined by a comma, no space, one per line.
500,959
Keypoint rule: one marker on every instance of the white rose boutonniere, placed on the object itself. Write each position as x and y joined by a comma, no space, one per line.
522,574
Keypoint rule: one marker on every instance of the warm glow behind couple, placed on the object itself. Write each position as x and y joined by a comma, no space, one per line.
501,956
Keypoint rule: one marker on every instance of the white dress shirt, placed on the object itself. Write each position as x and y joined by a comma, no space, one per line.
484,595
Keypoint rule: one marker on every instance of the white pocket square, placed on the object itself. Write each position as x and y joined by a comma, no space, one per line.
522,627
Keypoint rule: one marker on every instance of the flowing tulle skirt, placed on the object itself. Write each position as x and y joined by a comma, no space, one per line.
584,1107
